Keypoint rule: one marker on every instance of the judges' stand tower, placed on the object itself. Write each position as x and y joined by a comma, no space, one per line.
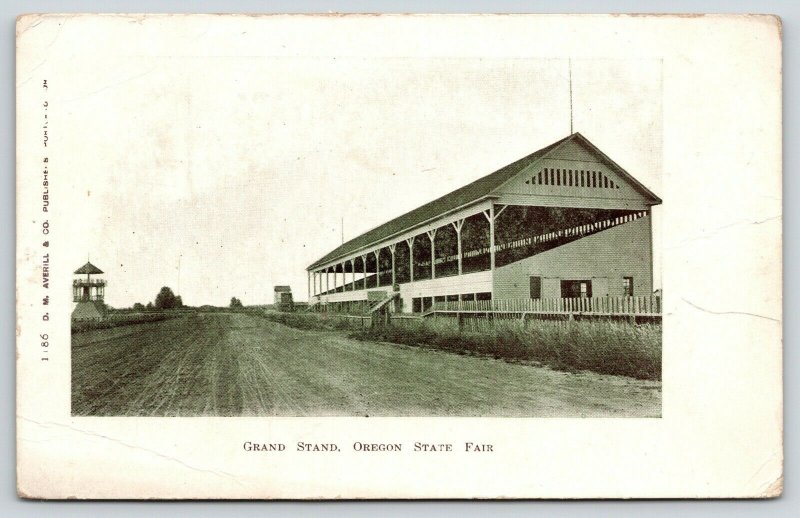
88,294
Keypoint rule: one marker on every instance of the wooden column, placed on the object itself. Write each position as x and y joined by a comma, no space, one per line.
410,242
364,264
327,279
432,237
457,225
490,216
309,286
491,238
353,272
391,249
377,254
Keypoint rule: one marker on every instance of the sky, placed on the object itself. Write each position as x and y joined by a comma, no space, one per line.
222,176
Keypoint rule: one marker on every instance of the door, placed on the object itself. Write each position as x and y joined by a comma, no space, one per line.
536,287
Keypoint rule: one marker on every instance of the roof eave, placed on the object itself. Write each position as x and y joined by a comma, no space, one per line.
319,263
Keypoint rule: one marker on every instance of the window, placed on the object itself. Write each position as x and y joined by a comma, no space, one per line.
416,305
576,289
627,286
536,287
483,296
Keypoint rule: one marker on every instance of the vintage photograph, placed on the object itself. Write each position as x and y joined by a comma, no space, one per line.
398,256
394,238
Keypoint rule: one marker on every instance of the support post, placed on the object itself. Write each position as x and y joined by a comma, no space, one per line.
377,254
327,279
457,225
392,248
364,264
353,272
309,286
410,242
490,217
432,237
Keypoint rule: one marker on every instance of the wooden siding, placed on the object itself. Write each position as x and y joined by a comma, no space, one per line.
569,171
608,256
568,201
346,296
478,282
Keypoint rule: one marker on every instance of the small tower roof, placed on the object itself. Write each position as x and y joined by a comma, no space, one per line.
88,268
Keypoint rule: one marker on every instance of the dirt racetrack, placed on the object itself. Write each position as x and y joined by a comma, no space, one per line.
232,364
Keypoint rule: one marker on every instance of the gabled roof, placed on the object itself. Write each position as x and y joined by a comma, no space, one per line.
470,193
88,268
638,186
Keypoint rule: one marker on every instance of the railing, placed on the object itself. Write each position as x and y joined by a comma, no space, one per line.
93,282
645,305
81,298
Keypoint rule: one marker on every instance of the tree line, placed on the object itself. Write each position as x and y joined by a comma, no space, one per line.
166,299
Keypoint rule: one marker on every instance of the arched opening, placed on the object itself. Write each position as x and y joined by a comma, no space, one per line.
475,244
446,250
422,257
372,268
358,266
385,266
402,264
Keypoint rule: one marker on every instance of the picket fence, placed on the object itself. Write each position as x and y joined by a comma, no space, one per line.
643,305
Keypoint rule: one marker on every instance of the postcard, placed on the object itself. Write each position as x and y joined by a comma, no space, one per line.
399,256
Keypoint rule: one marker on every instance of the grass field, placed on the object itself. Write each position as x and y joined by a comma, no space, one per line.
602,346
239,364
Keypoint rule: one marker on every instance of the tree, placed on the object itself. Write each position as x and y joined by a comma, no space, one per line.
236,303
178,302
138,306
165,299
149,306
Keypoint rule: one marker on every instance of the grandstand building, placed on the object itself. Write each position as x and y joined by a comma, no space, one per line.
563,222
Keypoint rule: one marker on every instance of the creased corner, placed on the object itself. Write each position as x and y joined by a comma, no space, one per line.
775,489
25,22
